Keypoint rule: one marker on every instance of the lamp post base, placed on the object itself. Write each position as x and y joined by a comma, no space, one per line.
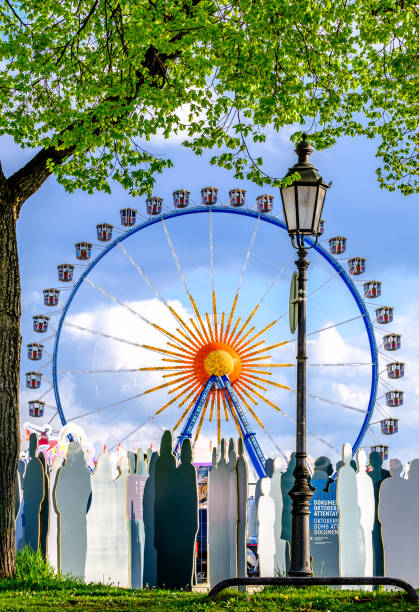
300,494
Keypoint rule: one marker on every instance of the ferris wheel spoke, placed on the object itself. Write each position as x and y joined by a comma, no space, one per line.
153,288
240,395
244,268
195,389
245,324
245,389
185,370
185,350
114,299
113,371
211,252
133,431
332,365
169,384
46,364
123,340
310,432
247,354
386,357
214,314
373,435
102,408
198,315
241,346
248,253
384,382
232,333
269,382
175,257
257,394
197,331
193,386
99,333
230,319
182,276
192,339
318,331
222,326
45,393
223,399
52,418
332,402
277,277
275,443
211,249
209,327
157,349
247,334
336,275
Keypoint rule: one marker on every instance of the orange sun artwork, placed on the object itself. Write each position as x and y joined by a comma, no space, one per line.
211,346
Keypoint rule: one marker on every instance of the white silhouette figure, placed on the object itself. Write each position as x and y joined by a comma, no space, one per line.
266,534
280,561
52,538
120,574
351,533
366,504
100,524
393,512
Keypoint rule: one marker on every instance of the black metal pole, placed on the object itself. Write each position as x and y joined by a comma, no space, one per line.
301,492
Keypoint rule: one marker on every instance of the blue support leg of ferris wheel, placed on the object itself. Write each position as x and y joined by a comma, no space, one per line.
249,437
193,417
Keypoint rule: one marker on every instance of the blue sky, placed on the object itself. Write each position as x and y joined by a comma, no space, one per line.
380,226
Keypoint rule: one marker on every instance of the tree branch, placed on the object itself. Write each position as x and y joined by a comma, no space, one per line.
4,191
26,181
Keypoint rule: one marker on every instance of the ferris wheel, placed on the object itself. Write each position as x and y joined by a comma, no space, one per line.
197,307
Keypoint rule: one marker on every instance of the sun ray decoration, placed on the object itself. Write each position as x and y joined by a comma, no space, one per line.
206,347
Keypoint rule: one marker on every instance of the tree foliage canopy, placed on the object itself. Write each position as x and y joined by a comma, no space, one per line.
90,81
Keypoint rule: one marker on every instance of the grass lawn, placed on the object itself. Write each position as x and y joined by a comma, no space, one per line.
35,588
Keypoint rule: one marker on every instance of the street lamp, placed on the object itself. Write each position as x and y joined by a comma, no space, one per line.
303,204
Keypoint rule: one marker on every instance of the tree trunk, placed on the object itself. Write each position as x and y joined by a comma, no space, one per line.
10,342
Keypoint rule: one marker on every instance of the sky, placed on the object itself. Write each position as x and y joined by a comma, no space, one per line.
379,225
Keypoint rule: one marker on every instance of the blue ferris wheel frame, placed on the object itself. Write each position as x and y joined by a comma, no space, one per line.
246,213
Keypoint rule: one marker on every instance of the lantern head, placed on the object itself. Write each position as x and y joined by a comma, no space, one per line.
303,200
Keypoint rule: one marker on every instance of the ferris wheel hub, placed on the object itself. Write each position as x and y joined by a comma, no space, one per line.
219,363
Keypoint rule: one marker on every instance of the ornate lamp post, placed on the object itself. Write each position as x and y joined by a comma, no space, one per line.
303,204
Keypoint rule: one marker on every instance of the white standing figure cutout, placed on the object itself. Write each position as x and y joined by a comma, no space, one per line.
120,572
351,533
100,524
396,529
71,494
266,536
366,504
232,509
280,560
412,521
